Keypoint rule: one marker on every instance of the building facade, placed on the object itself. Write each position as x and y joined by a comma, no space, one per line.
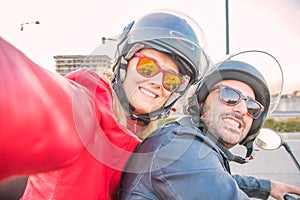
65,64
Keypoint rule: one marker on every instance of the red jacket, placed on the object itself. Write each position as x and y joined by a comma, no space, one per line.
63,129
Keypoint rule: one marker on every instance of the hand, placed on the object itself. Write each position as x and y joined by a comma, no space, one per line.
278,190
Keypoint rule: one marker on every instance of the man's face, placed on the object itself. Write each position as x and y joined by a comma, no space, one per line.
229,123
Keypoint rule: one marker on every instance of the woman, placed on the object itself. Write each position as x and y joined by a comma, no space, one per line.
65,129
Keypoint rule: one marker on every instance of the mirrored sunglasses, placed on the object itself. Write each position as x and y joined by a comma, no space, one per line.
232,97
148,67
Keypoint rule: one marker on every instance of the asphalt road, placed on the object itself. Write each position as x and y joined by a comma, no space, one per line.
276,164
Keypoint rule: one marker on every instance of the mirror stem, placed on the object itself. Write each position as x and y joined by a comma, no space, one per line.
289,150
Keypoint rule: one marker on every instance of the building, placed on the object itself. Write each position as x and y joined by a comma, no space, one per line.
65,64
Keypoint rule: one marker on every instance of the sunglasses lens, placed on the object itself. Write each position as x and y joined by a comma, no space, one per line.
229,96
171,82
253,108
232,97
147,67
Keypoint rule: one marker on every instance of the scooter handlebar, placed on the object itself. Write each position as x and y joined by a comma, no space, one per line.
289,197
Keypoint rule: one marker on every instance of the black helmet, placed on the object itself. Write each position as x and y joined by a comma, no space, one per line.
170,32
258,69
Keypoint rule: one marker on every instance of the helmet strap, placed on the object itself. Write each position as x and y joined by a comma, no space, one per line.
122,70
250,150
117,86
230,156
193,109
155,115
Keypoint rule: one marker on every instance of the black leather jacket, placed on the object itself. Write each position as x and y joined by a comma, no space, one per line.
178,161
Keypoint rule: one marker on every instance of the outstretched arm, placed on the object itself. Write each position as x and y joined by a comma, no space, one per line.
37,129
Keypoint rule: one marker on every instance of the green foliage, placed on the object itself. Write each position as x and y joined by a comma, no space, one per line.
286,125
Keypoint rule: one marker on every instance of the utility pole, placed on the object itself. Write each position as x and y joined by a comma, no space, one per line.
227,27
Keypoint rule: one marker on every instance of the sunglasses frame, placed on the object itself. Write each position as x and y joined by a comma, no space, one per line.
241,97
140,56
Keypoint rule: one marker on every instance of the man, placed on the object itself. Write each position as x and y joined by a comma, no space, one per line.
189,158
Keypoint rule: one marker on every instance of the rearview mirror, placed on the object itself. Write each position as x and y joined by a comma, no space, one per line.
268,139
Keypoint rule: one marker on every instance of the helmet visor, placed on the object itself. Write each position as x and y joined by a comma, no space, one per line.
175,33
270,69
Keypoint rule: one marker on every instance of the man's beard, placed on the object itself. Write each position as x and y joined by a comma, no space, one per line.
215,126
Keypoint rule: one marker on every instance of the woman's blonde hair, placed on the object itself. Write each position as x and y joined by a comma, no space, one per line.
143,129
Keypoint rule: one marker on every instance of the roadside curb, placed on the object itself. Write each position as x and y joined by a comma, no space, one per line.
293,135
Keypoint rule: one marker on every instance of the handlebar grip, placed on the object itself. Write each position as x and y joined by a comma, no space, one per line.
289,197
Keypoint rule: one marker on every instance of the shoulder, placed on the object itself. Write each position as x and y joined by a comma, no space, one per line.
87,76
96,85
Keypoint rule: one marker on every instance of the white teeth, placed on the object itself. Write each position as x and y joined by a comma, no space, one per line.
148,93
234,123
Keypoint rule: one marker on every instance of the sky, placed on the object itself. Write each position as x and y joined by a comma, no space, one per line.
75,27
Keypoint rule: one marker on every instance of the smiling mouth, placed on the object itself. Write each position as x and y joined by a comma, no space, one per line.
232,122
148,93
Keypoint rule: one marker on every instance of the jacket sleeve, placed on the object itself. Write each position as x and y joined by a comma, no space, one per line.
253,187
38,127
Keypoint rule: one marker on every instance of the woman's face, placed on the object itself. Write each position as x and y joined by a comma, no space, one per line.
147,94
